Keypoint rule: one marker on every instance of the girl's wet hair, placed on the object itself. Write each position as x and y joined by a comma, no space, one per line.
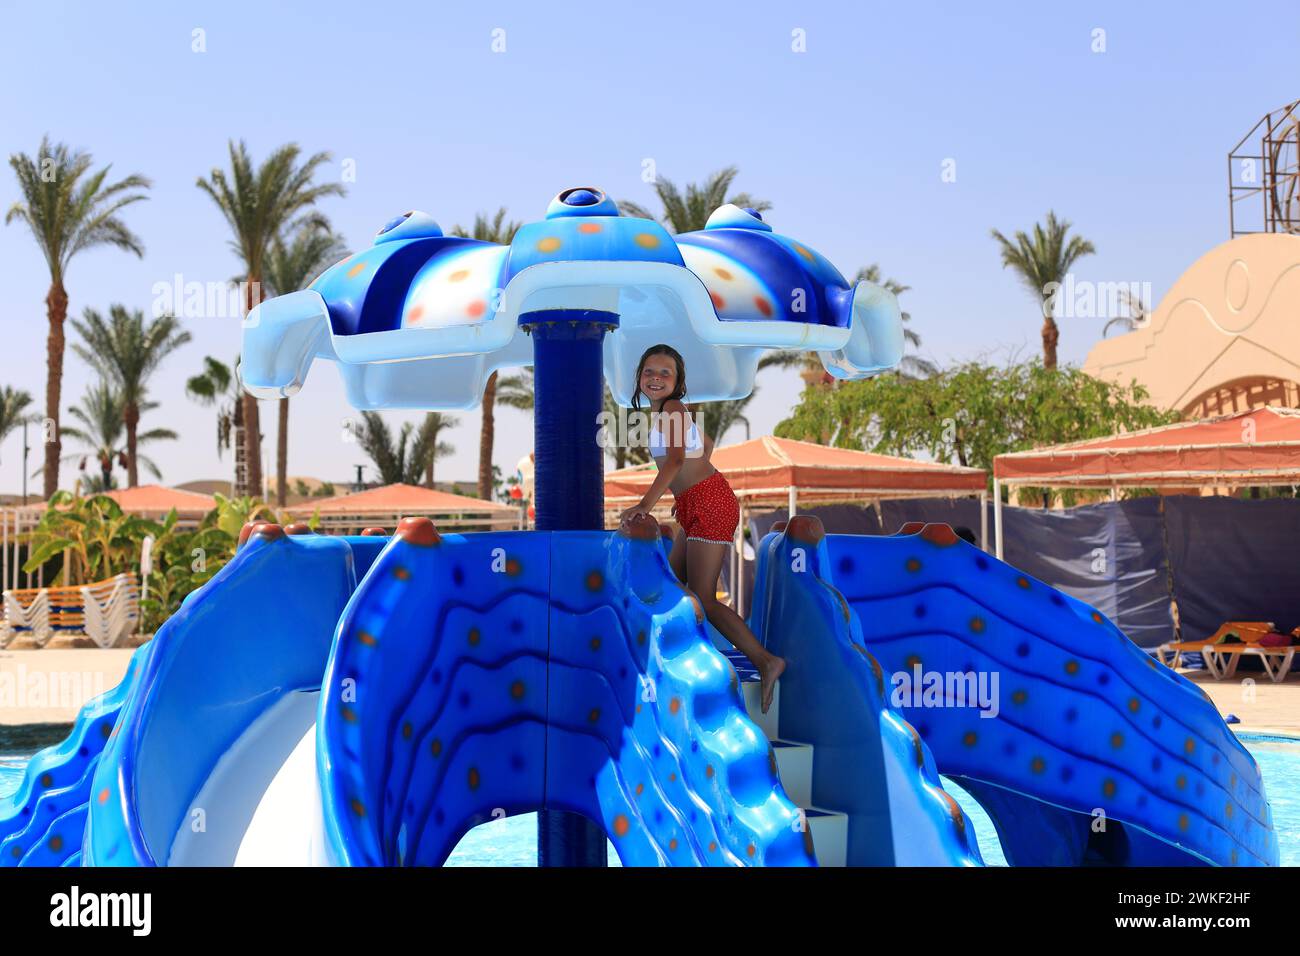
679,389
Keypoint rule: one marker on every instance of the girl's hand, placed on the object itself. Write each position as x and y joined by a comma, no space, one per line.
635,513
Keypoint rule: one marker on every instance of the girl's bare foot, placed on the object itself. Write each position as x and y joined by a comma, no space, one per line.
769,674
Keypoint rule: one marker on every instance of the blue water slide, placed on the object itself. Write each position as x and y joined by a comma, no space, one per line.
869,762
481,675
42,822
1081,747
229,687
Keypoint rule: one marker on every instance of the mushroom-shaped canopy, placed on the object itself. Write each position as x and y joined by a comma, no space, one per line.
420,320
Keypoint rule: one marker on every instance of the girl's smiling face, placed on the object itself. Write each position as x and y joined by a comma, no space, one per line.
658,377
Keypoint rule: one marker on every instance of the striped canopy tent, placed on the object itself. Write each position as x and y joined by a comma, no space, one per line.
1257,447
770,472
386,505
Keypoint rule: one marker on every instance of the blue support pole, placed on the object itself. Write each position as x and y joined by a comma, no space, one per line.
569,493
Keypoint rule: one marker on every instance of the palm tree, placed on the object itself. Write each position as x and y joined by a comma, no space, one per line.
69,210
218,384
434,424
259,204
400,460
1042,262
499,230
13,410
101,414
292,266
690,211
126,350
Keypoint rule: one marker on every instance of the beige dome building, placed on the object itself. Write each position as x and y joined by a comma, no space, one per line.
1226,337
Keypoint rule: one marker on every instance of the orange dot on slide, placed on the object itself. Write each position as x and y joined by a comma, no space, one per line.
549,244
589,227
356,270
103,795
458,275
476,308
620,825
718,302
722,274
763,305
415,313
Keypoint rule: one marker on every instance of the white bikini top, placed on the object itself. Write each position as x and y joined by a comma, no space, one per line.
659,448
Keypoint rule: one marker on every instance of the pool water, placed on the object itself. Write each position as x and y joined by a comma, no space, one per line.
513,841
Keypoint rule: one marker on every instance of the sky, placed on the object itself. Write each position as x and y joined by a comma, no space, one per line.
894,133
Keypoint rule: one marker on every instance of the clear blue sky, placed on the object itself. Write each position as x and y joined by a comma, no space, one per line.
846,140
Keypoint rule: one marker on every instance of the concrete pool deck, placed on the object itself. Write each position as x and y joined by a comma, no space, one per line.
49,686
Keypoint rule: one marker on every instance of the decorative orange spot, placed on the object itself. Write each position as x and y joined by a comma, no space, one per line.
1096,617
1134,704
595,581
803,252
366,638
718,302
708,771
640,637
1108,787
401,573
751,850
646,240
672,778
407,730
672,844
56,843
415,314
475,635
621,826
1183,822
977,625
913,660
513,567
913,565
358,807
517,690
1189,746
640,789
589,227
674,705
763,306
1038,765
1019,697
594,715
435,748
722,273
1228,810
940,534
103,795
349,715
476,308
458,276
356,270
473,778
46,780
1072,667
595,643
1023,582
1117,740
713,846
1181,782
549,244
970,738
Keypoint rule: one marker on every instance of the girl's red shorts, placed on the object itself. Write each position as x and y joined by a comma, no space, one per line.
708,510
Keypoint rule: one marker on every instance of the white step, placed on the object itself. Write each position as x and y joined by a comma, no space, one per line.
794,765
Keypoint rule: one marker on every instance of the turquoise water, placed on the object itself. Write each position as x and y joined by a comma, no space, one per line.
512,841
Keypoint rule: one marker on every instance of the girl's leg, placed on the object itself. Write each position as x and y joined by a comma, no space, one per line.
703,565
677,556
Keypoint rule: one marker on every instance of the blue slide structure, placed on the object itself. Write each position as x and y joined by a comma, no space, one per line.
367,700
1087,751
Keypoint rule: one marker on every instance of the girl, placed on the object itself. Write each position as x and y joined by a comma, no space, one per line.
706,508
